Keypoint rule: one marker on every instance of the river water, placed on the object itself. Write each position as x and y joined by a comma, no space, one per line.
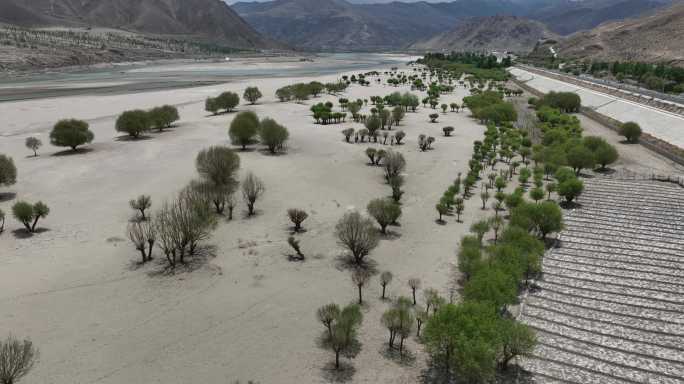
117,79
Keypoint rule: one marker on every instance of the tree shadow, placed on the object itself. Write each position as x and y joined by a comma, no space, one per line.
23,233
203,254
390,235
7,196
406,359
342,375
606,171
515,375
570,205
132,138
73,152
346,262
267,152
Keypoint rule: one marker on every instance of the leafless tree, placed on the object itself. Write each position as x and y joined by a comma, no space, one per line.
385,279
297,216
141,203
252,188
357,234
360,277
414,283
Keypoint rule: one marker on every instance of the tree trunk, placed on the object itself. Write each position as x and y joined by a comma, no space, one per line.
35,221
360,297
230,213
414,296
383,291
337,359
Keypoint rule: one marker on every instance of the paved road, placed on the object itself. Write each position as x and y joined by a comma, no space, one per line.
661,124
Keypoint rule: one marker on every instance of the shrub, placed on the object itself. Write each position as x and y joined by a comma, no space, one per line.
357,234
244,128
134,123
580,157
8,172
29,214
252,94
16,359
71,133
434,117
631,131
141,204
384,211
273,135
297,216
33,143
447,131
162,117
605,154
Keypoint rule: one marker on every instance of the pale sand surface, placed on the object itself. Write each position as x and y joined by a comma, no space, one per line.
249,313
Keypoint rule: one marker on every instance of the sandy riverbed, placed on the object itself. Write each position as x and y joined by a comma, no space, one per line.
249,313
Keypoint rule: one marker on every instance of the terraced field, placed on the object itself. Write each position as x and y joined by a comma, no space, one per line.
611,305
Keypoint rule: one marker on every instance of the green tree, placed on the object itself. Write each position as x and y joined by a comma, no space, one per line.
212,105
516,340
493,286
631,131
228,101
463,338
162,117
252,94
273,135
580,157
8,171
134,123
244,128
71,133
29,214
605,155
384,211
33,143
570,189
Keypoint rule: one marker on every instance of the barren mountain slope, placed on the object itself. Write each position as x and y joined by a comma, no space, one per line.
506,33
652,38
210,20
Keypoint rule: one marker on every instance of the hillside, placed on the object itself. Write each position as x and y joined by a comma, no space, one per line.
202,20
336,25
504,33
565,17
652,38
340,25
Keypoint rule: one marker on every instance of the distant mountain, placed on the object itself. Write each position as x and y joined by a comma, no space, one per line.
652,38
336,25
339,25
568,16
502,33
206,20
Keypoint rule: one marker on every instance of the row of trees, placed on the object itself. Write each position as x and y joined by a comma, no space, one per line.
246,127
138,122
